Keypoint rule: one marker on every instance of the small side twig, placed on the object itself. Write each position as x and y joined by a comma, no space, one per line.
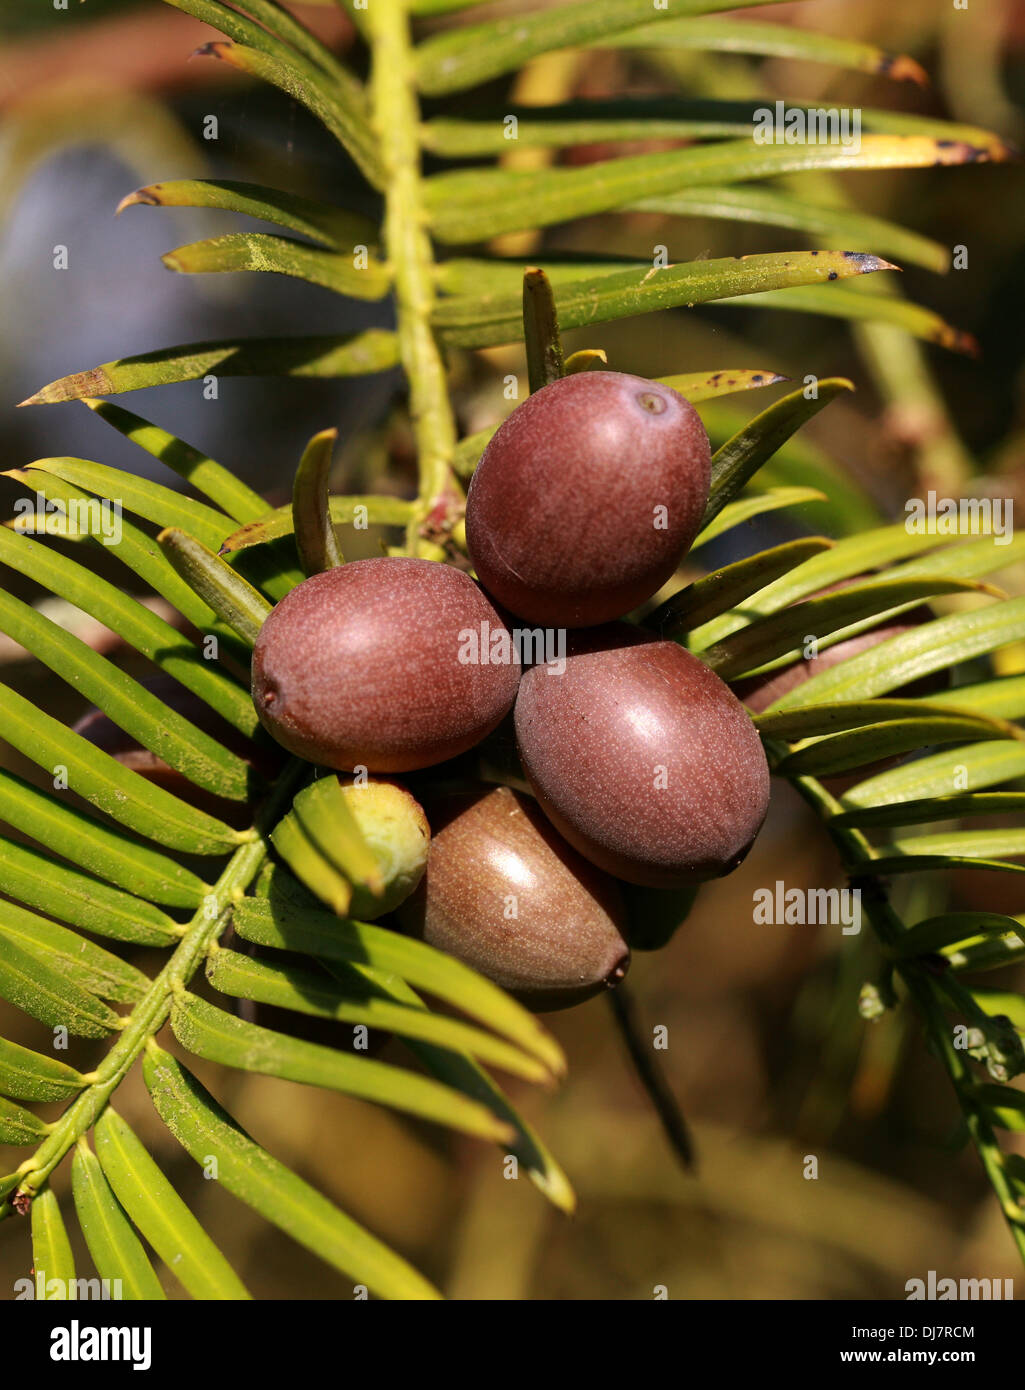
670,1116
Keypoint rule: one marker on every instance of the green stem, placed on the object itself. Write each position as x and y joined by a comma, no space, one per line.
888,927
396,121
150,1014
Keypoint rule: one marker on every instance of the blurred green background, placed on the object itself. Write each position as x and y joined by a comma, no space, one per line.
766,1053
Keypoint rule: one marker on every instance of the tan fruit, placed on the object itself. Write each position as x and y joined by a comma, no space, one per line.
504,893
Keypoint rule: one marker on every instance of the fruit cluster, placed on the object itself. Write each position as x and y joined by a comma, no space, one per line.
645,767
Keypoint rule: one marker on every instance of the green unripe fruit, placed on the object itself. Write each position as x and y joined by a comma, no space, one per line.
395,828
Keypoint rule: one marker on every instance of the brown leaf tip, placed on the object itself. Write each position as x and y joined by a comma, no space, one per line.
215,49
957,340
962,152
902,68
70,388
144,197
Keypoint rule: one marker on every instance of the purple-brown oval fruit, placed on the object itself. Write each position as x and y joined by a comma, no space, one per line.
643,759
587,498
387,664
506,895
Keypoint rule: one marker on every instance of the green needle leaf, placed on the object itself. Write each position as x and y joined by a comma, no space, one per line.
705,386
466,56
147,499
909,863
326,817
949,928
771,40
149,634
288,56
871,550
226,491
117,1251
310,866
1002,697
853,555
932,808
770,208
280,22
972,844
588,121
135,549
981,765
356,1002
28,1075
93,968
721,590
136,710
160,1214
475,205
318,933
753,504
467,321
221,1037
19,1126
811,720
337,105
859,306
94,846
326,355
900,660
356,277
52,1261
545,362
740,458
345,511
862,746
231,597
333,227
311,507
207,1132
123,794
27,982
782,635
465,1074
